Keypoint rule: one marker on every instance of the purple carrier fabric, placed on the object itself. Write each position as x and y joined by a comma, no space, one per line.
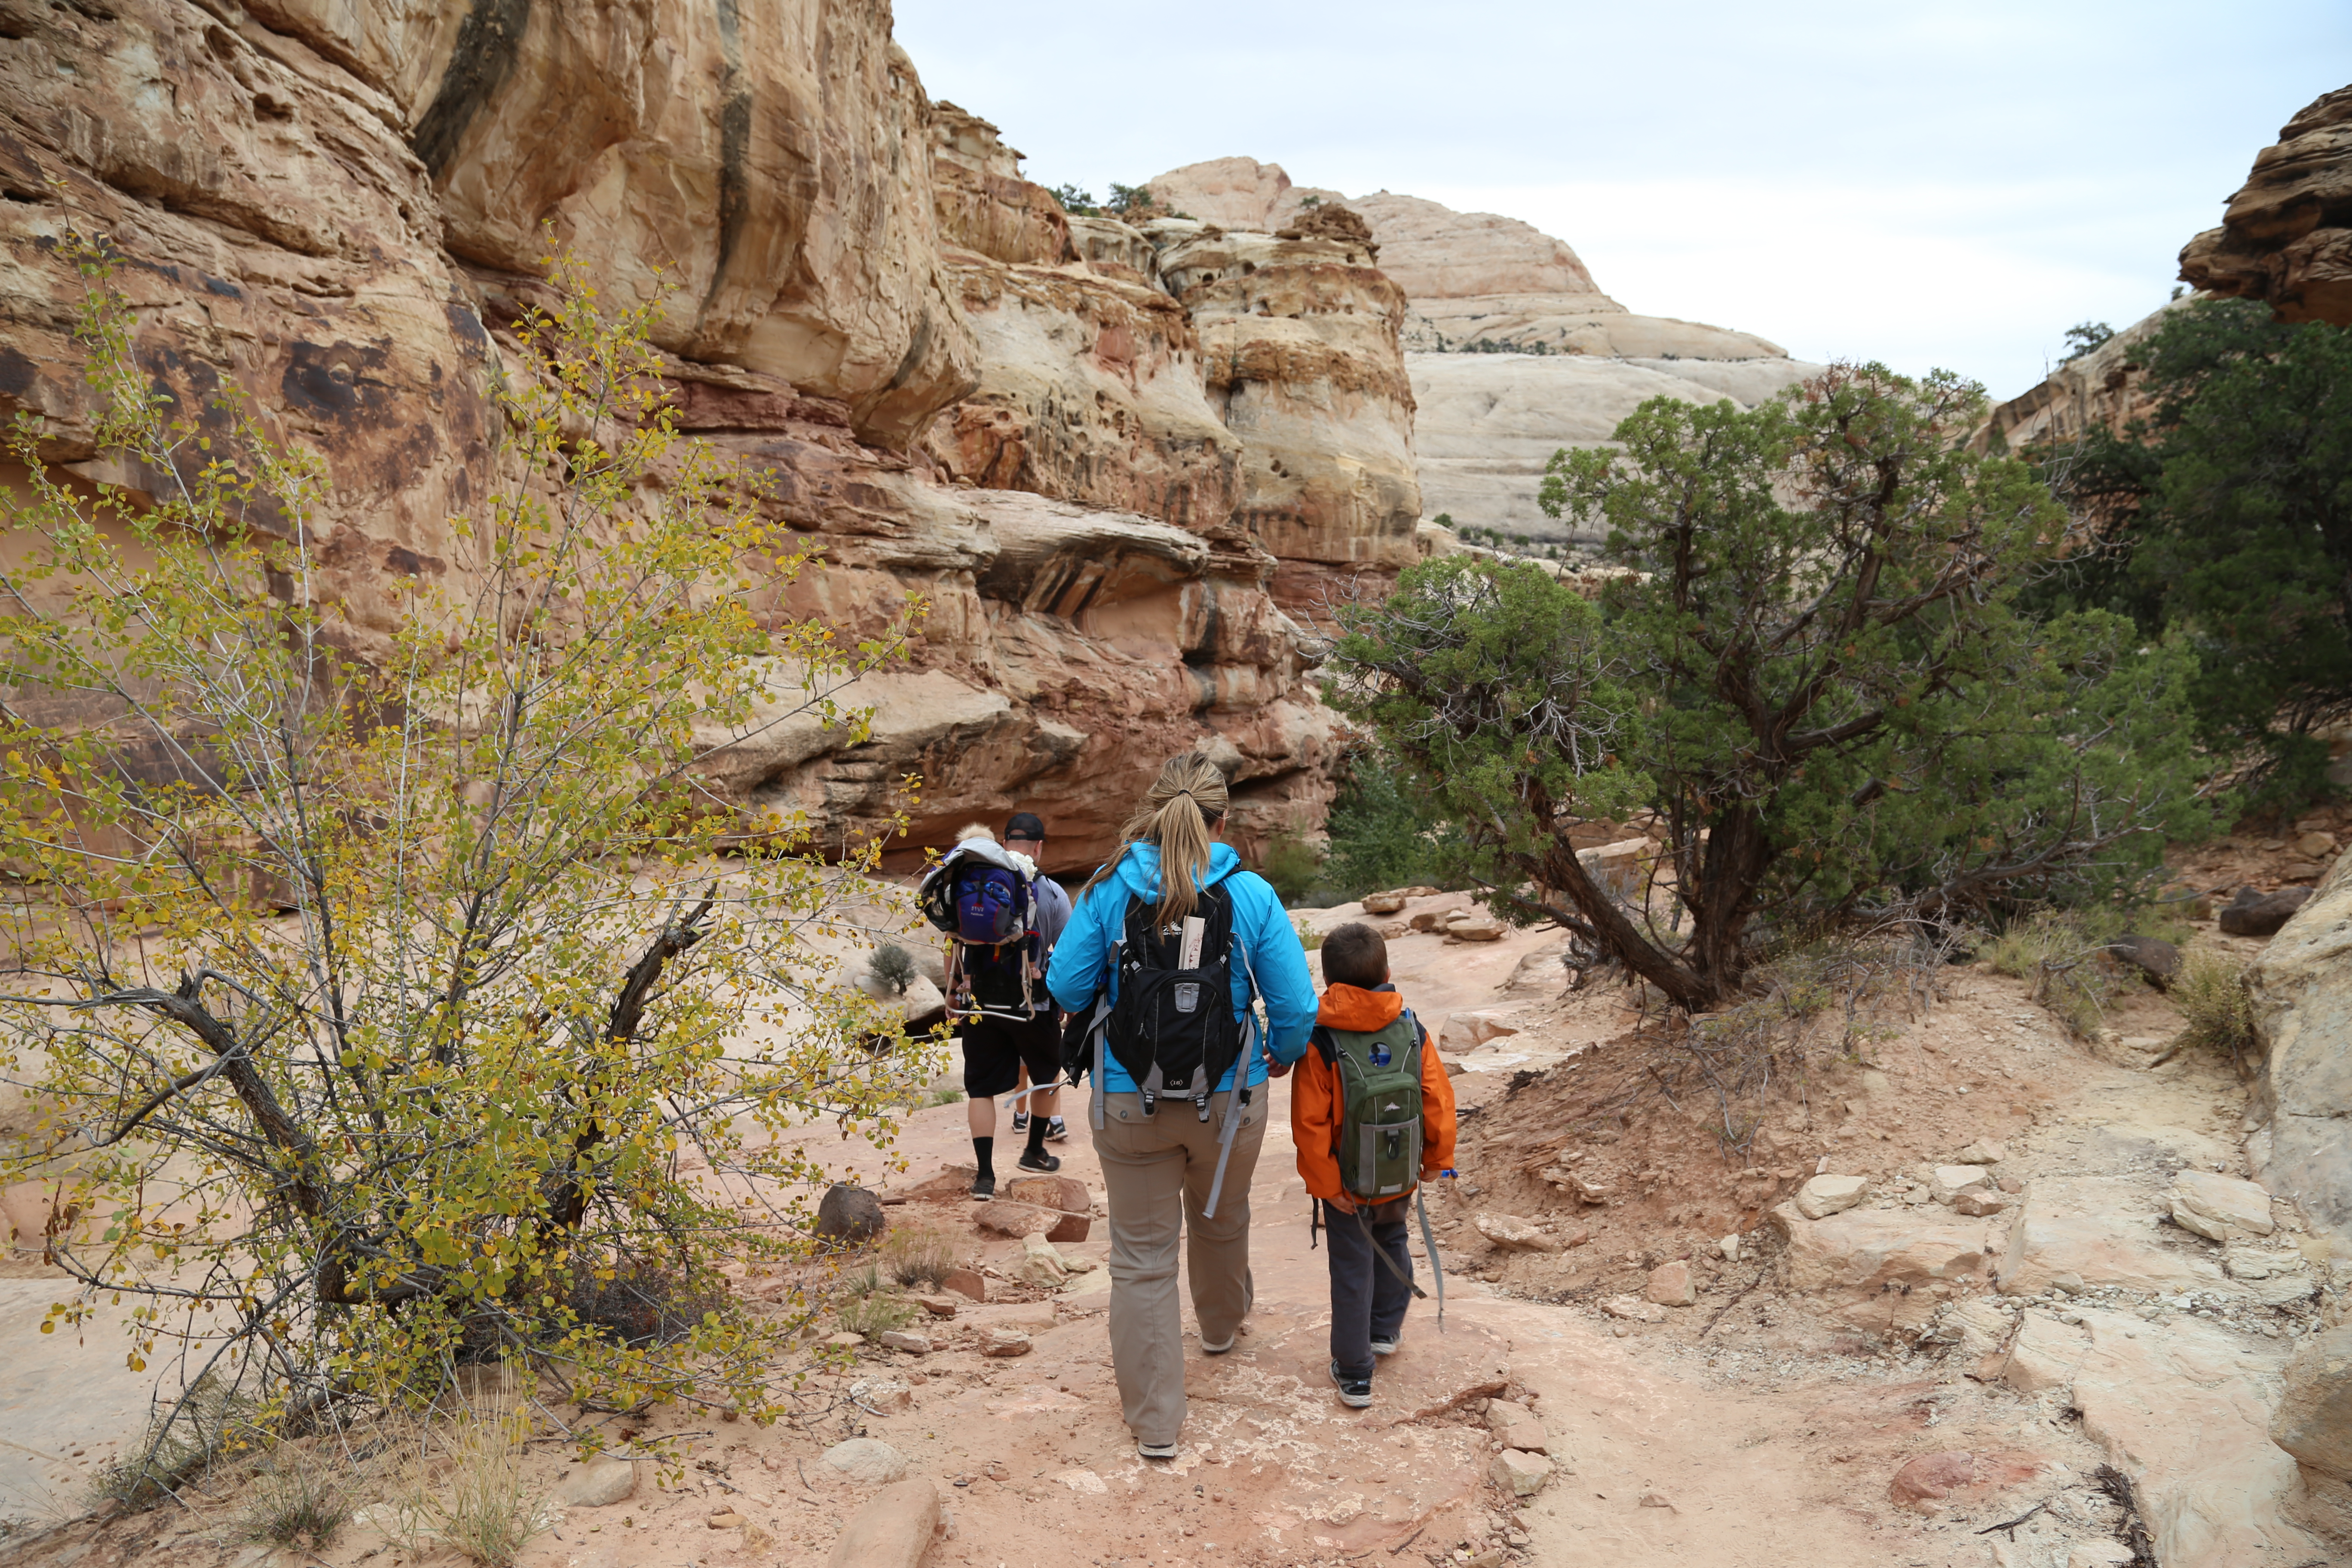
990,905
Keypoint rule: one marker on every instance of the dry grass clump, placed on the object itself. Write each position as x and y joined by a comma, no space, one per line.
294,1502
464,1489
183,1440
2215,1008
918,1256
871,1305
2063,954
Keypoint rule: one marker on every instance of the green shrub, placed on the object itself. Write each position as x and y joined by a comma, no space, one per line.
294,1502
1382,833
1293,865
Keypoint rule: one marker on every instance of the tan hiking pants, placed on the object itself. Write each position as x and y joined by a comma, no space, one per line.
1156,1174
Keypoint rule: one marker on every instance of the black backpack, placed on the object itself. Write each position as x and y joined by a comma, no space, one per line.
1171,1028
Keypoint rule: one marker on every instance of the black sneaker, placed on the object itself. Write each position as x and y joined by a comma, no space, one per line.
1038,1160
1019,1122
982,1188
1058,1131
1355,1392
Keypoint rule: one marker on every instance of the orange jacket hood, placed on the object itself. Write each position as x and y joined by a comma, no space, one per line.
1358,1011
1315,1109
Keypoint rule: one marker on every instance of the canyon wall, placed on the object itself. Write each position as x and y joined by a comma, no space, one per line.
951,388
2286,235
1512,350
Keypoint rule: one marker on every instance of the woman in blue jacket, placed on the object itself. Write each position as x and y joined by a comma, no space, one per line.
1161,1163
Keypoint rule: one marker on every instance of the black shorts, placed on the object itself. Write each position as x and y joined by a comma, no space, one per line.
994,1050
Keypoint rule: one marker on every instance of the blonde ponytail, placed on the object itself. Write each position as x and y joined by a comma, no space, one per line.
1177,813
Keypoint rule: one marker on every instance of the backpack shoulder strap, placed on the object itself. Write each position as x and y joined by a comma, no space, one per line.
1325,1045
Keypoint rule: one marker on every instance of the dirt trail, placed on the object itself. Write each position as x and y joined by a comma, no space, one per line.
1762,1426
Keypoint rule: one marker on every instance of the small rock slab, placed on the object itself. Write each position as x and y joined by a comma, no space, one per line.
1485,928
1947,1183
1983,1151
905,1340
867,1461
1386,903
966,1283
1516,1426
1006,1342
2215,1206
1826,1195
1632,1309
1520,1474
1931,1478
1511,1232
1978,1201
1064,1194
940,1306
892,1531
1671,1285
850,1214
599,1482
1008,1217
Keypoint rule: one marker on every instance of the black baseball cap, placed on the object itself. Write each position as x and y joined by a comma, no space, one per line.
1025,825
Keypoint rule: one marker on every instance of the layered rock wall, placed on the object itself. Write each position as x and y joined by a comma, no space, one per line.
340,207
1512,350
2286,234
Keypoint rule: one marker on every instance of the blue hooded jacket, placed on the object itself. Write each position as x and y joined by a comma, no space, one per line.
1262,935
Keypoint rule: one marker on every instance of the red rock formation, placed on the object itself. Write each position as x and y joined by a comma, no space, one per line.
2286,235
338,206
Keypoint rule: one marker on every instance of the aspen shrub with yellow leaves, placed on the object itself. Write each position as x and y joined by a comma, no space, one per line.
385,1014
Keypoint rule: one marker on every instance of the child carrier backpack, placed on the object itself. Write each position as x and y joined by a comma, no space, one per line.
984,896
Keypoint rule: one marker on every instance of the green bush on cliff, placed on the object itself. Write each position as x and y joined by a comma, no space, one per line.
1814,673
2226,518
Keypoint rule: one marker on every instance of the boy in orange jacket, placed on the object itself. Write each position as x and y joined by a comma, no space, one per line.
1371,1271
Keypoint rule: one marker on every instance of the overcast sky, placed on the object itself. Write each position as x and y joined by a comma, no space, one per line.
1928,184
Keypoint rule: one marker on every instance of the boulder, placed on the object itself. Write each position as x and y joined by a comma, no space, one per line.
1877,1266
1429,920
1039,1265
597,1482
1826,1195
869,1461
1518,1473
2314,846
1066,1195
1671,1285
1006,1342
1983,1151
1477,928
2263,914
2302,991
1514,1233
1515,1427
2314,1423
1978,1201
967,1283
883,1393
2220,1206
1383,903
893,1530
1946,1182
1468,1031
849,1214
2156,960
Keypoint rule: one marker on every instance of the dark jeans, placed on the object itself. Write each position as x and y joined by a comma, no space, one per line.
1367,1302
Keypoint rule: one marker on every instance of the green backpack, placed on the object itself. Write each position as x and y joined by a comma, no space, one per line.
1379,1147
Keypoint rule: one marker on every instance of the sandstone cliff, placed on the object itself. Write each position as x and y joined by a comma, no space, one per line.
2286,235
1512,350
2099,390
341,206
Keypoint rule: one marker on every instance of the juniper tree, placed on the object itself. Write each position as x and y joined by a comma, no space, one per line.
1811,670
